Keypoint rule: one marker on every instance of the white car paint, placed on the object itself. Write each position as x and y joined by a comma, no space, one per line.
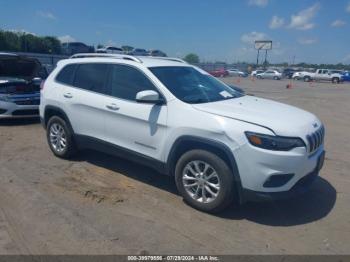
151,130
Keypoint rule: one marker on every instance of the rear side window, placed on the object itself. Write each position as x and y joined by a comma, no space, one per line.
125,82
91,77
65,76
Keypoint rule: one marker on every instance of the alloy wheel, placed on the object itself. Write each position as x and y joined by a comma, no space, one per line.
201,181
58,138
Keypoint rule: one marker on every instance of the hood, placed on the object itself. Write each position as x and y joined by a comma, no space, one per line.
18,67
283,119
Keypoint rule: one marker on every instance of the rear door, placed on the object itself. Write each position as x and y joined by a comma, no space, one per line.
85,99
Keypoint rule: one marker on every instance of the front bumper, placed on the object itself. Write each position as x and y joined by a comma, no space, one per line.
19,106
272,172
301,187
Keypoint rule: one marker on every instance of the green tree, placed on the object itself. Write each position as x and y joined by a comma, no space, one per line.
192,58
20,41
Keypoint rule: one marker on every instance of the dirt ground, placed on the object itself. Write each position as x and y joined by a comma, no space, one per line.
97,204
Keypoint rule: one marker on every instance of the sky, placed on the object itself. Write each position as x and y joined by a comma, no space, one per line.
304,30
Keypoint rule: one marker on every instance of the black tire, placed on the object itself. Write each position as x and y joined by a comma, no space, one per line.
226,180
307,79
70,148
259,77
275,78
335,80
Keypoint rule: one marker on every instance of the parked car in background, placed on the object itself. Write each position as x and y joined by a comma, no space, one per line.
20,80
236,72
72,48
138,52
110,50
255,72
298,75
219,72
270,74
288,73
322,75
157,53
346,76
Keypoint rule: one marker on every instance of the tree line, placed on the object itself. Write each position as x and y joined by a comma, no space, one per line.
12,41
25,42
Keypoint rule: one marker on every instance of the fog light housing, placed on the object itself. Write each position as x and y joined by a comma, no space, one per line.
278,180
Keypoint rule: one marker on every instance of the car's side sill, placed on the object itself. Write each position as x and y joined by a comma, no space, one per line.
87,142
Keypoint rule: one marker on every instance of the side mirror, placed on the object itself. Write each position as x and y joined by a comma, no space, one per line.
149,96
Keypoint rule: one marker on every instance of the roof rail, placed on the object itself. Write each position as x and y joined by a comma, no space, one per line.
170,59
117,56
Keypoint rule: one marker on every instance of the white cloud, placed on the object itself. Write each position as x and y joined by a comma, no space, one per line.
22,31
260,3
249,38
338,23
276,22
47,15
66,38
307,41
302,20
348,8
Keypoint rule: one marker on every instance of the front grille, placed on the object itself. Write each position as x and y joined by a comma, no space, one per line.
28,102
316,139
24,112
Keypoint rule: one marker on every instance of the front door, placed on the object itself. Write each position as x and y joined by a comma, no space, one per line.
139,127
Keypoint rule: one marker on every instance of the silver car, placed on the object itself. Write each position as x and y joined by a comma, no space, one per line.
270,74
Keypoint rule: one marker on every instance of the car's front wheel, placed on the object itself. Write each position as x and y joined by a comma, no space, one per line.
60,138
204,180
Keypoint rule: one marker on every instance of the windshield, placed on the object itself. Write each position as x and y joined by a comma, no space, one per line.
17,67
191,86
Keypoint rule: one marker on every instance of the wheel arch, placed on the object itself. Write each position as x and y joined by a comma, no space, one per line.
186,143
51,111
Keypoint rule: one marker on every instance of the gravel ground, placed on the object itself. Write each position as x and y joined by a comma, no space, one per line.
98,204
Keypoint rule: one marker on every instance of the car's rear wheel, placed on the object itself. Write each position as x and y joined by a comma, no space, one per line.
335,80
259,77
60,138
275,77
204,180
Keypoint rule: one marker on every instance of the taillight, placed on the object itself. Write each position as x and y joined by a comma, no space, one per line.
42,85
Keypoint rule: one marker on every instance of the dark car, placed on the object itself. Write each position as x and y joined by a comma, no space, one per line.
157,53
288,73
346,76
219,72
72,48
20,80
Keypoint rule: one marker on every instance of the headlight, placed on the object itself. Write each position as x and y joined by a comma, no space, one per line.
4,98
277,143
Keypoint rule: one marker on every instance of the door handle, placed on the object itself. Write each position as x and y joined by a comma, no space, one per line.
113,107
68,95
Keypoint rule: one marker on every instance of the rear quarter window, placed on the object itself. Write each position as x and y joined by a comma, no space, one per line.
66,75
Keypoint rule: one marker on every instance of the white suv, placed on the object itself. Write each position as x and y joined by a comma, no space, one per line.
219,145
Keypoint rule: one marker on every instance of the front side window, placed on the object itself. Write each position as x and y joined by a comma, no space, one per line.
191,86
91,77
125,82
